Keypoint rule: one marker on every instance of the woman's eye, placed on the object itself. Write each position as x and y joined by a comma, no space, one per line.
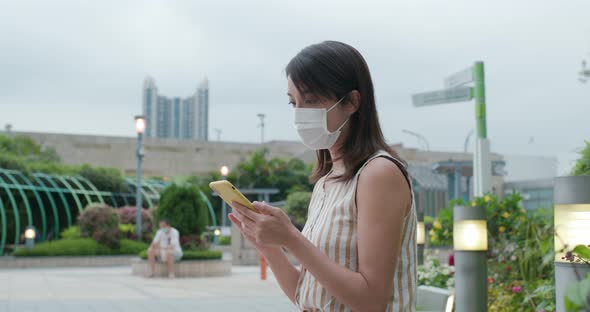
292,103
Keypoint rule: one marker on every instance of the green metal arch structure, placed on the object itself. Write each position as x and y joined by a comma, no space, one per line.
58,199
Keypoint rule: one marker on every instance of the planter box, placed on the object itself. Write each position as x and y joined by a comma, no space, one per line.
433,299
184,268
64,262
572,227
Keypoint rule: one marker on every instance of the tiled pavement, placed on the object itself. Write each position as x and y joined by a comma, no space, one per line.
115,289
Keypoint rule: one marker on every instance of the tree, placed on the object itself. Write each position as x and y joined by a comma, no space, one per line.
184,208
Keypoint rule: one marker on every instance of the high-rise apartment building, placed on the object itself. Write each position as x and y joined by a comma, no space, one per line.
176,118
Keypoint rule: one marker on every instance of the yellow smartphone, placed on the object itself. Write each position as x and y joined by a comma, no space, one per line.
230,193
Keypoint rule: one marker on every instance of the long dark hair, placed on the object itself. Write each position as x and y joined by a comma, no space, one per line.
334,69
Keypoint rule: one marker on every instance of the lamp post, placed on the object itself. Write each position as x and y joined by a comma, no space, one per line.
261,125
470,244
224,172
420,237
139,153
30,234
419,136
572,227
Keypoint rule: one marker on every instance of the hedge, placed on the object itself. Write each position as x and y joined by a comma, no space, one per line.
193,255
79,247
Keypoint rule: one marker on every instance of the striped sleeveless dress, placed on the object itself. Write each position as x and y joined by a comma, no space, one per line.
332,226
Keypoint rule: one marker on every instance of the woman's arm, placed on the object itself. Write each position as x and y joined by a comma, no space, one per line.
286,273
383,199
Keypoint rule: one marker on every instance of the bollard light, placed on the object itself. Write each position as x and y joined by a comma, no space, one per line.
470,235
30,234
217,232
470,244
420,238
572,227
420,233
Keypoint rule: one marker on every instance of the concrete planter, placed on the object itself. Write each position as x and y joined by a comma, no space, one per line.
184,268
572,218
63,262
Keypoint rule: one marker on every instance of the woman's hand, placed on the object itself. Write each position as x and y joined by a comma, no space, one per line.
269,228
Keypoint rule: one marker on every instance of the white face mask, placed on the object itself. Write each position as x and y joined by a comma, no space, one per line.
312,127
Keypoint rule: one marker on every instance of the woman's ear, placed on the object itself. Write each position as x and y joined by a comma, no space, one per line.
355,101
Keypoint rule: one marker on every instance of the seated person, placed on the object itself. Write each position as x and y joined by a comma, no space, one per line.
166,247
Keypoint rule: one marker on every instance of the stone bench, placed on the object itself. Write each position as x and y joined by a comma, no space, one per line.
184,268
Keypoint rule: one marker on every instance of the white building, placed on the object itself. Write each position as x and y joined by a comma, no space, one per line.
176,118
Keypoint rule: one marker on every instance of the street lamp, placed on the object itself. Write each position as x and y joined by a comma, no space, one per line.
139,153
224,172
470,244
30,234
419,136
261,125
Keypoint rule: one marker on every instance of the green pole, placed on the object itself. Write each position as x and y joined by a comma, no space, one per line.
479,93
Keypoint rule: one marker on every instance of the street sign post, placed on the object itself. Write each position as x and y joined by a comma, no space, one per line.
472,295
460,94
459,78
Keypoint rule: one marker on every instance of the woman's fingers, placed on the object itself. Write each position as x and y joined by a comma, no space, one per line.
245,211
245,222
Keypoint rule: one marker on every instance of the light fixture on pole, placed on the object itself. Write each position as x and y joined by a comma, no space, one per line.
261,125
470,245
572,228
30,234
420,237
139,153
224,172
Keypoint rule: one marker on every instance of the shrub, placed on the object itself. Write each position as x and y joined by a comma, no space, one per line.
193,242
130,247
79,247
296,206
65,247
105,179
184,208
193,255
127,215
72,232
225,240
100,222
582,166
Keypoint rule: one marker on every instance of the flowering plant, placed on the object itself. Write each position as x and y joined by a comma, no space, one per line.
435,274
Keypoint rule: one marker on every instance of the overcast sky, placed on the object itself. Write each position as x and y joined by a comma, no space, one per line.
78,66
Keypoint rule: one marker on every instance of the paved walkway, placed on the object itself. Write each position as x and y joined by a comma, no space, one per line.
115,289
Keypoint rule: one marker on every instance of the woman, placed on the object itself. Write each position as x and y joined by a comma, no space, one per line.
358,248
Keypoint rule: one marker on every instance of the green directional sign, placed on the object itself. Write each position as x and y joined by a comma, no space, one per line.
459,94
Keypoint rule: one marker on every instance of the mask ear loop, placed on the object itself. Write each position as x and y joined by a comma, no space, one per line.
329,109
345,122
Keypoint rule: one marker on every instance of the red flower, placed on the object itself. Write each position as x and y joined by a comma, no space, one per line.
490,280
451,259
508,268
516,289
